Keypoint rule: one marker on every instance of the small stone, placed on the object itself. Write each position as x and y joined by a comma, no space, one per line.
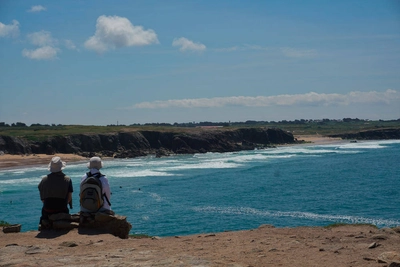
15,228
368,259
36,250
379,237
372,245
389,256
396,229
69,244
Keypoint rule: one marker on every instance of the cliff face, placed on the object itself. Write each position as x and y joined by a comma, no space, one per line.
141,143
381,134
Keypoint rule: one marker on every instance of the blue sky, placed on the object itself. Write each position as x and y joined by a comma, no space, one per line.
108,62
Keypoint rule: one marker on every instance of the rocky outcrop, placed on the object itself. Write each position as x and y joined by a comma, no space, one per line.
14,145
391,257
381,134
142,143
94,222
113,224
13,228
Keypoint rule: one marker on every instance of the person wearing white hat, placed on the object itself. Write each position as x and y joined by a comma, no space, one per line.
94,165
55,190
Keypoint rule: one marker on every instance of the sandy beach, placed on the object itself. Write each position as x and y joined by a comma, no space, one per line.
349,245
319,139
8,161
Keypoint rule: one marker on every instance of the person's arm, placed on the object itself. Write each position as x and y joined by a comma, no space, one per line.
106,190
69,196
70,199
40,191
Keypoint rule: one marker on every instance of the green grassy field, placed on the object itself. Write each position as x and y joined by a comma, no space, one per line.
325,127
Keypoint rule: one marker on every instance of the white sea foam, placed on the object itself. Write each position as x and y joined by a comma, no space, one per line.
211,164
156,197
388,142
297,214
359,146
19,171
303,151
24,181
137,173
364,144
248,157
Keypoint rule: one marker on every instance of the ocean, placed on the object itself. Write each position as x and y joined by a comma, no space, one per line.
289,186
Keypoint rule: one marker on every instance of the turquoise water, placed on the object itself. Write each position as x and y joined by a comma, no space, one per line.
312,185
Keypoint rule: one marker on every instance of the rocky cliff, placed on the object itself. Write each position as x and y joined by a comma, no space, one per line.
379,134
142,143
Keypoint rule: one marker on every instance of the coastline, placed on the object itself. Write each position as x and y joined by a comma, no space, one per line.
8,161
343,245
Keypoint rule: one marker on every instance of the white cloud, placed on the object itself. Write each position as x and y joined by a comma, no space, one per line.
255,47
298,53
46,46
310,99
227,49
11,30
42,38
37,8
45,52
246,47
70,45
188,45
115,32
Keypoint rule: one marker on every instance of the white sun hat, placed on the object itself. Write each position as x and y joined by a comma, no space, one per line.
56,164
95,163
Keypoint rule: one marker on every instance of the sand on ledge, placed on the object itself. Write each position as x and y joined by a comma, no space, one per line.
350,245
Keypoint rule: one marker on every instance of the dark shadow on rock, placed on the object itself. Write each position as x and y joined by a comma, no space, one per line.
49,234
92,231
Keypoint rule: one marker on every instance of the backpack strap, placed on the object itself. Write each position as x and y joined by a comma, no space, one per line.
97,176
108,201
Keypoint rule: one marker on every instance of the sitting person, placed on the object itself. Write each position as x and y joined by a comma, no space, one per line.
95,194
55,191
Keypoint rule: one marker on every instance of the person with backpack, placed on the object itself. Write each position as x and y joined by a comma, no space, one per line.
55,192
95,193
